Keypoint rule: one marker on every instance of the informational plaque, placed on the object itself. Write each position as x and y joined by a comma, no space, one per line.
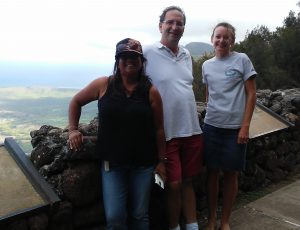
266,121
22,189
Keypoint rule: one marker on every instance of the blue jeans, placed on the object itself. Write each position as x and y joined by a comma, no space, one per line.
126,193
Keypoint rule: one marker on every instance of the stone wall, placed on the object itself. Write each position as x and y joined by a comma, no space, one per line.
76,177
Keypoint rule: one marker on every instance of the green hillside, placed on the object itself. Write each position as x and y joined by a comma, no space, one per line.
197,49
24,109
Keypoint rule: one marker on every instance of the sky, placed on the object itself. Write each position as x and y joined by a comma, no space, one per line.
84,32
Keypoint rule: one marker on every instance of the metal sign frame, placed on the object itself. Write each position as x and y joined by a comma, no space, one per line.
265,121
42,194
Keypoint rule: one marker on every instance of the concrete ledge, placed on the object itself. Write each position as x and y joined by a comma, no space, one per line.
277,210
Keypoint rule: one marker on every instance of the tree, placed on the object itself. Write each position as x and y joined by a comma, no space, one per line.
198,86
257,46
286,43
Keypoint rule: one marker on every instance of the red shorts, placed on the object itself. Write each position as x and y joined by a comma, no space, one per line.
184,157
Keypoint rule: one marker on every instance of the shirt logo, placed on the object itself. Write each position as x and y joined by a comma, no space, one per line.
230,72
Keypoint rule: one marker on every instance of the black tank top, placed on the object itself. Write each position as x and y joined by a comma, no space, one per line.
126,133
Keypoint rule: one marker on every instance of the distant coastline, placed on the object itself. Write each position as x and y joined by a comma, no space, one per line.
34,74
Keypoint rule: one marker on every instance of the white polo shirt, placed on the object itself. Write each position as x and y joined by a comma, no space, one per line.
172,76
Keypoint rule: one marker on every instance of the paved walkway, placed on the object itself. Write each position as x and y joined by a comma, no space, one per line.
279,210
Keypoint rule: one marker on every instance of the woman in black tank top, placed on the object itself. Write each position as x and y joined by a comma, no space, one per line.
131,140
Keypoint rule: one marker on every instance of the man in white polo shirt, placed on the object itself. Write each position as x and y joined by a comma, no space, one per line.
170,68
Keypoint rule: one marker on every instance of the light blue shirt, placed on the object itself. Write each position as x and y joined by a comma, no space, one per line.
225,79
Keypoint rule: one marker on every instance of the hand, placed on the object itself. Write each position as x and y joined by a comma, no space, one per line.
161,170
243,136
75,140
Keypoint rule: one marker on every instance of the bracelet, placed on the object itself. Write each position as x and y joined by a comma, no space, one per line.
73,127
72,131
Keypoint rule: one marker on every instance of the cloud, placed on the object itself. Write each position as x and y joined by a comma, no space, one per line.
87,30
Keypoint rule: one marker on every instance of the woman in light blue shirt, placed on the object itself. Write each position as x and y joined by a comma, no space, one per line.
230,95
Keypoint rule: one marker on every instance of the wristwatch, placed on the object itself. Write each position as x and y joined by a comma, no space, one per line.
163,159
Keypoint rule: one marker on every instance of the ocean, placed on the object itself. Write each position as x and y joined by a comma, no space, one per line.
72,75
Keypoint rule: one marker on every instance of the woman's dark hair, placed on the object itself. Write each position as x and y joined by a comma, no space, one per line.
144,82
163,15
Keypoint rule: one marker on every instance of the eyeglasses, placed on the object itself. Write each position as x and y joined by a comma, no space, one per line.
172,22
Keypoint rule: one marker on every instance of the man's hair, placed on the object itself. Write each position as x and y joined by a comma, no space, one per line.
163,15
